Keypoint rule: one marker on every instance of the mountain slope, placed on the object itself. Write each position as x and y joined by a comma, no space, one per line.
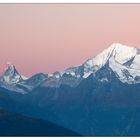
96,101
100,97
13,124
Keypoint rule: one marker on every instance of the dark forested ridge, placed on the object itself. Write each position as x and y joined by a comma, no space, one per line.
13,124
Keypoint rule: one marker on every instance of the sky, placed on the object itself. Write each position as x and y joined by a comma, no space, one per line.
52,37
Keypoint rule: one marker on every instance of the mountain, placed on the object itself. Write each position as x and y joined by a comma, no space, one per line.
100,97
10,78
11,75
13,124
14,81
123,60
31,83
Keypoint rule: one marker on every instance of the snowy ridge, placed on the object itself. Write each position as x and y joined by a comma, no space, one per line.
116,55
121,54
123,60
125,74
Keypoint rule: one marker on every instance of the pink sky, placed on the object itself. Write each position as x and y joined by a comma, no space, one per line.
50,37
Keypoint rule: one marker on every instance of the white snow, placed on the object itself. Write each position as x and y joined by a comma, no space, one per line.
136,63
24,78
87,74
50,75
121,54
72,73
120,70
57,76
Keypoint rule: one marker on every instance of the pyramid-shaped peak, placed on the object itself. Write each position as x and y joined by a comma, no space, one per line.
9,68
10,74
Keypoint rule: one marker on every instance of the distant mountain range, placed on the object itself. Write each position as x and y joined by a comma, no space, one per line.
121,59
100,97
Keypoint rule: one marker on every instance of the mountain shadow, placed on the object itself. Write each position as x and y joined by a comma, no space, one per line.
13,124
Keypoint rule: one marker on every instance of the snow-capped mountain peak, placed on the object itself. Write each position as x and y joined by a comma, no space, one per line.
121,53
9,68
10,74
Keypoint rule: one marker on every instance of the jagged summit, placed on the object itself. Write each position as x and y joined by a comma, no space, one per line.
121,54
10,74
121,58
9,68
